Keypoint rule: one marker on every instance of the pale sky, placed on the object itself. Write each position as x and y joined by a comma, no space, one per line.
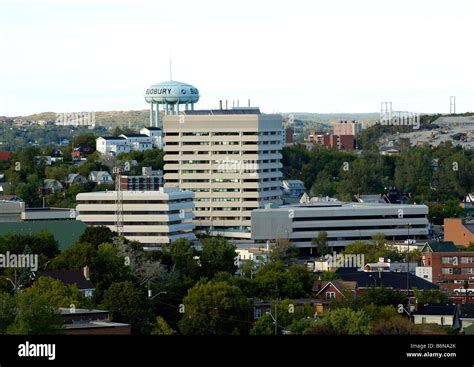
298,55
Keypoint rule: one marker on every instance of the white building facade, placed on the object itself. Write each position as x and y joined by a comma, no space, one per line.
344,223
153,218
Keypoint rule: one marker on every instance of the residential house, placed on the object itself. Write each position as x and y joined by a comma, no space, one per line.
156,135
79,277
100,177
52,186
74,179
334,289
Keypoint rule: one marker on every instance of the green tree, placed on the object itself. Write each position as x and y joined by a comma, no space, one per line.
383,297
217,255
430,296
181,257
321,244
97,235
282,250
263,326
342,321
34,316
75,257
396,325
56,293
129,304
161,327
108,267
7,311
216,308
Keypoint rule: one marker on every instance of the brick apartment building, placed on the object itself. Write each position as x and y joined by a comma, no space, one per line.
450,267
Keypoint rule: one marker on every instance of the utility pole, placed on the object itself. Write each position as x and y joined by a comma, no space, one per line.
408,263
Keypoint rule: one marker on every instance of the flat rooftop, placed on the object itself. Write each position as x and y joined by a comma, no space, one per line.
230,111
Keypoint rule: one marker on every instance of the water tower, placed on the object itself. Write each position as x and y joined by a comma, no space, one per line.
167,97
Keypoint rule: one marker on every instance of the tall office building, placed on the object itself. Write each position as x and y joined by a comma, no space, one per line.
230,159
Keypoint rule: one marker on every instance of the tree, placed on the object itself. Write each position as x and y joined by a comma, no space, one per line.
272,281
321,244
263,326
396,325
430,296
161,327
342,321
181,255
75,257
97,235
129,304
383,297
34,316
56,293
7,311
214,308
107,267
217,255
282,250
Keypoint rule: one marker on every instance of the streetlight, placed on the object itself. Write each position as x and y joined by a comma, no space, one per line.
156,295
275,319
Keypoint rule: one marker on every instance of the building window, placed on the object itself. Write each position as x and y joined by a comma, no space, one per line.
447,271
256,313
446,260
330,295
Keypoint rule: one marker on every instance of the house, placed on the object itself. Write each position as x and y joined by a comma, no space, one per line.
334,289
80,151
91,322
138,142
440,314
11,198
52,186
100,177
79,277
75,178
112,145
156,135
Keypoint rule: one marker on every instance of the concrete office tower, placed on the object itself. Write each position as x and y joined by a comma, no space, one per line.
230,159
154,218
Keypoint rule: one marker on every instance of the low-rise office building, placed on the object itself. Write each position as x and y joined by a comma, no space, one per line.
154,218
344,223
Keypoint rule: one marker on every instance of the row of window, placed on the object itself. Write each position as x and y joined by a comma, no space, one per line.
233,133
457,271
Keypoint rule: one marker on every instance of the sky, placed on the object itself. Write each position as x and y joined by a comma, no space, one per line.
285,56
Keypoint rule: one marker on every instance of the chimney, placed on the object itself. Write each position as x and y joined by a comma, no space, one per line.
226,104
249,102
220,104
85,272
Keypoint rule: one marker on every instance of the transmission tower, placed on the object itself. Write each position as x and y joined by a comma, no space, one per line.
118,202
